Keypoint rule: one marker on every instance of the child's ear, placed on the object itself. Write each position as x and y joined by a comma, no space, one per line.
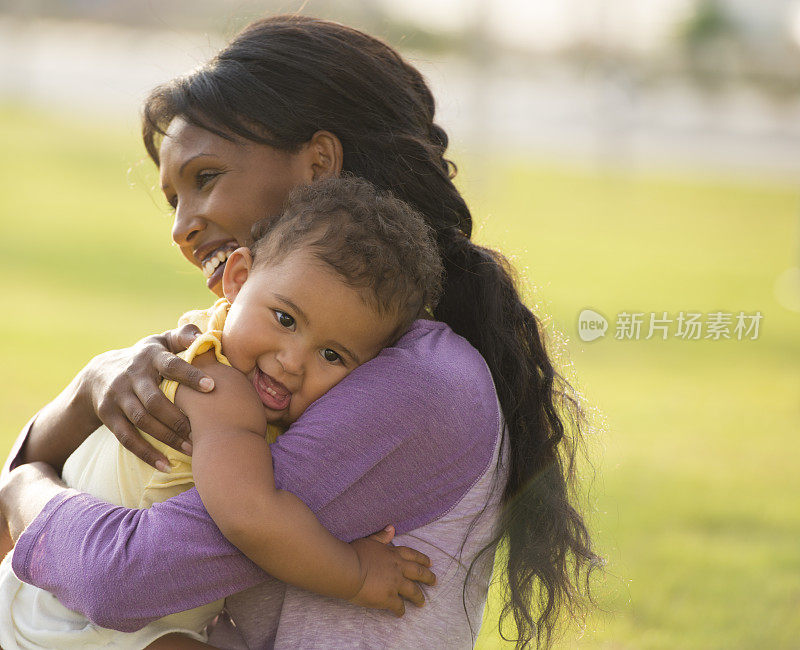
237,268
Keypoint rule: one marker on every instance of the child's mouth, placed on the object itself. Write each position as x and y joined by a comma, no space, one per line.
274,395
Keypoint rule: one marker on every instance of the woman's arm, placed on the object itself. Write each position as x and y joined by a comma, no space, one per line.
400,441
122,568
30,488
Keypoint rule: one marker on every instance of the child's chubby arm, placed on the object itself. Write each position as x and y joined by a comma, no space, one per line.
232,468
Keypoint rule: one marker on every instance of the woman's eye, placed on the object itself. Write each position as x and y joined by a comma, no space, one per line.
330,355
204,178
284,319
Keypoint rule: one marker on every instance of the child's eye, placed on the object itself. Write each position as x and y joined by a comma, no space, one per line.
284,319
331,356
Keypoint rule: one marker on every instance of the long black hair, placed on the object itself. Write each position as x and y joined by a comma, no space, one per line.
284,78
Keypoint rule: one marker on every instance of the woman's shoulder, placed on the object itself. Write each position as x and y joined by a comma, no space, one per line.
432,374
440,355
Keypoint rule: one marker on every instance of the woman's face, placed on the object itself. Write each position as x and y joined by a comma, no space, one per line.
219,188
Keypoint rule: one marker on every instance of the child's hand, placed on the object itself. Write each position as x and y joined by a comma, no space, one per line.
390,574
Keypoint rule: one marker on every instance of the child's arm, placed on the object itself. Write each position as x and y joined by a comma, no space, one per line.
232,468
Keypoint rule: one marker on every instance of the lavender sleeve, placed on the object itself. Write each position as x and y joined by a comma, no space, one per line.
399,441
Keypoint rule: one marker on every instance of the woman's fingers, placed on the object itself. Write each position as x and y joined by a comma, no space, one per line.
162,419
151,411
125,392
130,438
179,339
412,592
171,367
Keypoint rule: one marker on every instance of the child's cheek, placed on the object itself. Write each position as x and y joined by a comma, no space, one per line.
234,350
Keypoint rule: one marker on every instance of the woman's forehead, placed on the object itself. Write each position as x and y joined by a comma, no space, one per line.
184,138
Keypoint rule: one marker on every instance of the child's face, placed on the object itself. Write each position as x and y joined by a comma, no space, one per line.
296,329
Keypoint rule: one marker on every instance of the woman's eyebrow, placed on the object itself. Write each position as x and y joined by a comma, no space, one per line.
188,160
164,186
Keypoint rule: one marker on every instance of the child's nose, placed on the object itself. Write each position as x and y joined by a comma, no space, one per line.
291,359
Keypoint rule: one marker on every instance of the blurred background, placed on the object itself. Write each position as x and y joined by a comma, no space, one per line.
631,156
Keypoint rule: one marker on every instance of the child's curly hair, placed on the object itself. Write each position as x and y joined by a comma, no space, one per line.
373,240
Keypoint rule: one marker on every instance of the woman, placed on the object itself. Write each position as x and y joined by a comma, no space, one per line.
289,101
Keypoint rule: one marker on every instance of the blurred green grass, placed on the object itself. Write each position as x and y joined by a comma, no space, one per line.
696,498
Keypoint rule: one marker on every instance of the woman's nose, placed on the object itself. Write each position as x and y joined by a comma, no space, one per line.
187,224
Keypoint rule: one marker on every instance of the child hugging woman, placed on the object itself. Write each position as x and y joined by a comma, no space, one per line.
340,274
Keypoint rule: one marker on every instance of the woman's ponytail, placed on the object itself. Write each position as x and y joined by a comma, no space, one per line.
547,549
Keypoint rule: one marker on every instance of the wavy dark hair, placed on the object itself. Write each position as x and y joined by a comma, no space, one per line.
284,78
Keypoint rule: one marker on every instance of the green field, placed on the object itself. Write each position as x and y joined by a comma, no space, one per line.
696,497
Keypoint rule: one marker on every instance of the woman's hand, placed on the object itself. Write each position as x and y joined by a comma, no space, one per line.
123,389
390,574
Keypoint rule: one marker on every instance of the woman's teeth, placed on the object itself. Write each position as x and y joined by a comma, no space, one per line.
211,265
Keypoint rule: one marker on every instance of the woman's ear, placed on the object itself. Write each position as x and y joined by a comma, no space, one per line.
237,268
326,155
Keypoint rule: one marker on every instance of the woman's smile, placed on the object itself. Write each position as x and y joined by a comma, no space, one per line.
211,258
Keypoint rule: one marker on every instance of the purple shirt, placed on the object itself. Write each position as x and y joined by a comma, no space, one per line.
401,440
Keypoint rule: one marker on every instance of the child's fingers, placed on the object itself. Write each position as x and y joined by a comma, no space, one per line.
384,536
415,571
412,592
412,555
397,607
